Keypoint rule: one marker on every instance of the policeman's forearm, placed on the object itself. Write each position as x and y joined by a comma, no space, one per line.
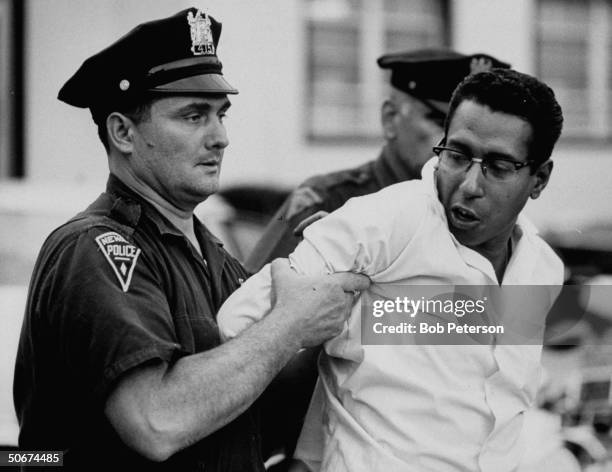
166,410
229,378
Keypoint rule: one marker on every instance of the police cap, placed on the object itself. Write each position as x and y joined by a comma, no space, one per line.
433,74
174,55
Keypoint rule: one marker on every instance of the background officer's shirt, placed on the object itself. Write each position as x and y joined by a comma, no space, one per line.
113,289
326,192
409,407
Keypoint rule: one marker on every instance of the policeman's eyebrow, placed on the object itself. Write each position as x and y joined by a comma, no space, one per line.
204,107
225,105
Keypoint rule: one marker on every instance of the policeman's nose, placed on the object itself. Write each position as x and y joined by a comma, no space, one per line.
473,181
216,136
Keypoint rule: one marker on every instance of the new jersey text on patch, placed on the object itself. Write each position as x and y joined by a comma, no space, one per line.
121,255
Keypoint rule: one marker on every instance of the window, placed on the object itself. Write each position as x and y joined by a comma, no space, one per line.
573,43
11,30
344,38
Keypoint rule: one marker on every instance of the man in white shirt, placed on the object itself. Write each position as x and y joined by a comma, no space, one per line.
426,407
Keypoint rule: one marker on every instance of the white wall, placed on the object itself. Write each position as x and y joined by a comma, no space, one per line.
61,141
263,51
259,49
503,28
579,193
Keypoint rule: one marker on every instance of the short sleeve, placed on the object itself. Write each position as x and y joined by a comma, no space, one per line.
105,328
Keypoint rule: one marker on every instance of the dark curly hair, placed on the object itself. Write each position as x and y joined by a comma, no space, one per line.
518,94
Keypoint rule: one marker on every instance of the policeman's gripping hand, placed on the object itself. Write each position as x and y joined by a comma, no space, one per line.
316,307
306,222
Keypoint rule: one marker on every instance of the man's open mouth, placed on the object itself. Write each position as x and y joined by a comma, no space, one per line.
464,215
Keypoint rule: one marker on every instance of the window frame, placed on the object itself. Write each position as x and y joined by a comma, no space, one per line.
598,73
12,163
374,81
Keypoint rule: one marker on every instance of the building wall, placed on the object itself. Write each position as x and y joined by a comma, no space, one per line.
580,190
263,50
261,57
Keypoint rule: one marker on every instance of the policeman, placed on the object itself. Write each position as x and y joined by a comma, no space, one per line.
120,362
422,82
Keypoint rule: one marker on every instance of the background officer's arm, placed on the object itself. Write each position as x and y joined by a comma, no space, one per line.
278,239
159,409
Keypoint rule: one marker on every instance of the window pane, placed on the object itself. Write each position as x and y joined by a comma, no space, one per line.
412,7
396,41
8,156
565,63
412,24
564,48
343,83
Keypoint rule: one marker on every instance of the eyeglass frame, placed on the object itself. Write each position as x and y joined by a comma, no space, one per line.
518,165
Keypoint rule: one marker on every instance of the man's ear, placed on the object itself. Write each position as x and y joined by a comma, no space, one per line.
387,116
542,175
120,131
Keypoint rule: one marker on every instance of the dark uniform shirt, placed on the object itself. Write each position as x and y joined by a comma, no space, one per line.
117,287
326,192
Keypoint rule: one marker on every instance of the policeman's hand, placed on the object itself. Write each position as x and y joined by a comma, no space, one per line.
316,307
306,222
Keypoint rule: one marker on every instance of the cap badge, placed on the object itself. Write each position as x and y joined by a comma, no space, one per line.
201,34
480,64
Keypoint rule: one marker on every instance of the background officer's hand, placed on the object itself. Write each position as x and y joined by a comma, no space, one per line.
300,199
306,222
317,307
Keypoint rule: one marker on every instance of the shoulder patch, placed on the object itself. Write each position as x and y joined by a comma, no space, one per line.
121,255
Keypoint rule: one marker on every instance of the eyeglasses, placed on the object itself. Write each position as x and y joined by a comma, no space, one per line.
498,169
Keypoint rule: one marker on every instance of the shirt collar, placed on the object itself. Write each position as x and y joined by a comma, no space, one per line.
130,206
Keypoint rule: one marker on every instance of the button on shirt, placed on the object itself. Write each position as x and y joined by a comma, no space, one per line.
115,288
418,407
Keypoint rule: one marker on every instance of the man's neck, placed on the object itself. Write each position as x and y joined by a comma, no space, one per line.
182,219
498,256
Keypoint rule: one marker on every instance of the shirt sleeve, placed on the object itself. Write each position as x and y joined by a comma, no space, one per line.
104,329
358,238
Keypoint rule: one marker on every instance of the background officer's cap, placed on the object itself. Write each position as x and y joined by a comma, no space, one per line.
433,74
174,55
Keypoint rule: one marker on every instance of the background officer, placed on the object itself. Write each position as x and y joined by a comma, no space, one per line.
120,362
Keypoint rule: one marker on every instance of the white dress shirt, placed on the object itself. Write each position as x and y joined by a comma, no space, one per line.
409,407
